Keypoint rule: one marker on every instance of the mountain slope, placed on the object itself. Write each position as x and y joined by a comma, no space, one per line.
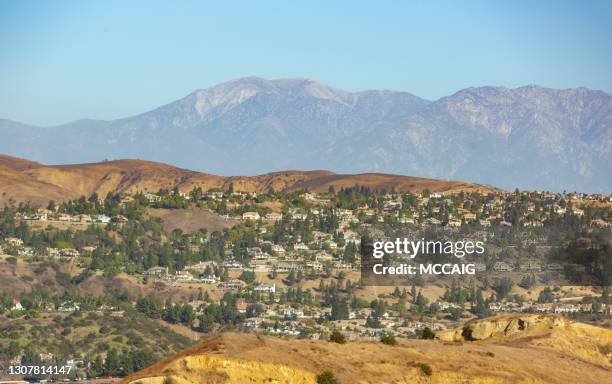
23,180
490,135
541,356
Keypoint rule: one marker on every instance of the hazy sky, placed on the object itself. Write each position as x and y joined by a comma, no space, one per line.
65,60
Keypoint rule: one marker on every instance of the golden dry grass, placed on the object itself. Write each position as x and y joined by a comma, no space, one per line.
566,354
22,180
191,219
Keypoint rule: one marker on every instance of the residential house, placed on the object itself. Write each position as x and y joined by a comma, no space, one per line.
501,266
250,216
273,216
277,248
232,284
102,219
17,306
284,267
152,198
157,271
469,216
267,288
300,247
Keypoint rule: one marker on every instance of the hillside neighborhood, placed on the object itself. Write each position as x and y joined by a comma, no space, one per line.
288,264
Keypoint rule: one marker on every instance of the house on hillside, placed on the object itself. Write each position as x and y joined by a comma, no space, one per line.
183,277
157,271
232,284
277,248
69,306
16,306
102,219
531,266
469,216
284,267
13,241
267,288
501,266
152,198
273,216
250,216
300,247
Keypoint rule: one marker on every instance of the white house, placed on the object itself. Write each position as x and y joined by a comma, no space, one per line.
273,216
16,306
102,219
250,216
266,288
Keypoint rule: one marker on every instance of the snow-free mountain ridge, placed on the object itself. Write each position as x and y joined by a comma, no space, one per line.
529,137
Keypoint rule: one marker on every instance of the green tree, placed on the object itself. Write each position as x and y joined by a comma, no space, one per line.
112,365
337,337
388,339
428,334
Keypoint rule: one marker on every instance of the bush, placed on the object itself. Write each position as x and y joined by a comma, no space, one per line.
326,377
388,339
426,369
15,313
337,337
428,334
490,354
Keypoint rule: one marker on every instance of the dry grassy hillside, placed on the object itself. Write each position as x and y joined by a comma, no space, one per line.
552,351
191,220
23,180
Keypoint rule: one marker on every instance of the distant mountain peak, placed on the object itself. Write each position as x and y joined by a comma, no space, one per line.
492,135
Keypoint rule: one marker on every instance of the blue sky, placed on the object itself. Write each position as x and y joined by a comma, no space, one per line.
65,60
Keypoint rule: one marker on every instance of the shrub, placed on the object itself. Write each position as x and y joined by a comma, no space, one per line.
490,354
388,339
326,377
428,334
337,337
426,369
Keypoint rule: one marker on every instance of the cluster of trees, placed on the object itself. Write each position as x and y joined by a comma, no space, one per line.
171,199
123,363
296,296
152,307
224,313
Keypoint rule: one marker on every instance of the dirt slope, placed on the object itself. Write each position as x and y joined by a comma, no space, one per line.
23,180
191,220
564,353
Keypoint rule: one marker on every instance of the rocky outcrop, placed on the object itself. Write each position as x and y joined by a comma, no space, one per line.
502,326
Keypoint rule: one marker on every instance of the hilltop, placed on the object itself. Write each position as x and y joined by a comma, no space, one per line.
553,350
23,180
490,135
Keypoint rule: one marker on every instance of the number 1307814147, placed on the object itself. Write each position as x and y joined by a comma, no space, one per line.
25,370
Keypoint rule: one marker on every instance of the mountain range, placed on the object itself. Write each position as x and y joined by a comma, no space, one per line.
529,137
